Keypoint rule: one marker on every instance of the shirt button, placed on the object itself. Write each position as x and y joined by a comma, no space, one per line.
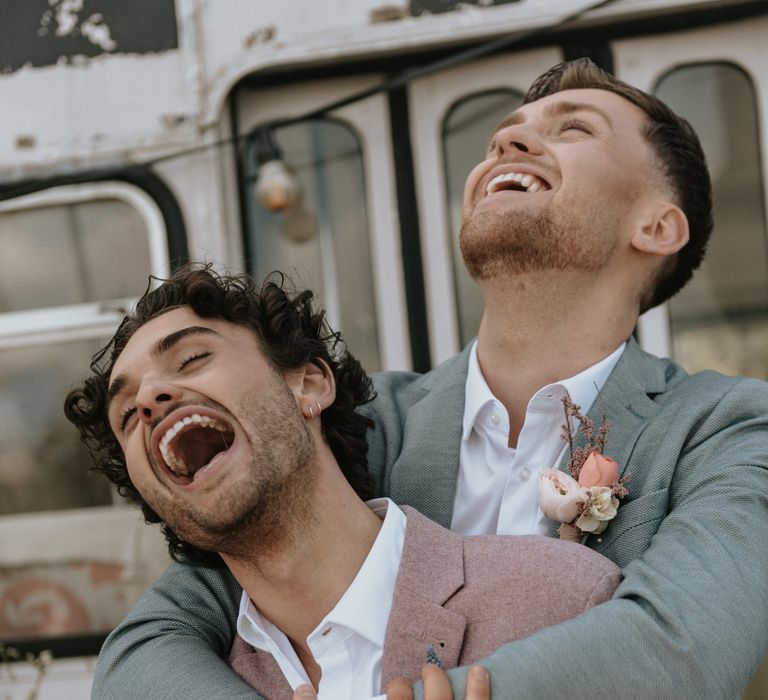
525,473
495,418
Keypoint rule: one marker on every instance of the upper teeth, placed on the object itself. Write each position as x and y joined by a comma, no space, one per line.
175,465
531,183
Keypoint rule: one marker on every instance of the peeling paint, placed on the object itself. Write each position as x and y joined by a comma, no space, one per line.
97,32
66,15
40,33
419,7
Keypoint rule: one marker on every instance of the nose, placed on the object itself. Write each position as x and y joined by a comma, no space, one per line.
152,398
517,138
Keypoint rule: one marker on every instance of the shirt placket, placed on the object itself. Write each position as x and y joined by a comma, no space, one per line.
331,652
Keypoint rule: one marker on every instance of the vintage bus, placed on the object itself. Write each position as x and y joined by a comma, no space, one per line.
131,140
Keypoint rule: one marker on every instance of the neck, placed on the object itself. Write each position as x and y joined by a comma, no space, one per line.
298,581
542,327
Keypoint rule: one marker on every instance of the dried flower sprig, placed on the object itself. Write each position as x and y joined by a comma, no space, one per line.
579,455
588,499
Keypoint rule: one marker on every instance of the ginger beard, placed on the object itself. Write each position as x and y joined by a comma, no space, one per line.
259,509
514,241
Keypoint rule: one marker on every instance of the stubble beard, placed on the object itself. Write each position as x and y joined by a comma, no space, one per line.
503,244
262,510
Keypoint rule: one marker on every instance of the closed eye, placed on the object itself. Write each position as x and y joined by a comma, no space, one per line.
125,416
575,125
188,360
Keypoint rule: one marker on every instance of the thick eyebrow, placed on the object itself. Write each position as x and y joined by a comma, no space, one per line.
162,346
554,109
165,344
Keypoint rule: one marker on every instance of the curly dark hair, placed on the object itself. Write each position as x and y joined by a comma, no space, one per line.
291,334
681,161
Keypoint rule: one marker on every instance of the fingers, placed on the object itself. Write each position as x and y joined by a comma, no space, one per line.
438,687
399,689
478,684
304,692
436,683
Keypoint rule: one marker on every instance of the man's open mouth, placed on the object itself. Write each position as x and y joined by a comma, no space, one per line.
193,442
519,182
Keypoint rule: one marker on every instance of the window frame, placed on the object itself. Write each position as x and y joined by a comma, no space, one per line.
61,324
645,60
89,319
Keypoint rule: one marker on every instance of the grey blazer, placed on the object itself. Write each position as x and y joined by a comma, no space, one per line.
465,597
690,619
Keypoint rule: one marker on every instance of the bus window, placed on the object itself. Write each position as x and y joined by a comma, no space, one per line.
72,253
467,128
323,242
72,563
720,320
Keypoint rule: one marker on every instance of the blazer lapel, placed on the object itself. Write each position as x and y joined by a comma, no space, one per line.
431,571
431,443
628,405
260,670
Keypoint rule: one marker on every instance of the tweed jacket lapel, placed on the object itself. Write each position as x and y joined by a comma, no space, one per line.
628,405
431,443
260,670
431,572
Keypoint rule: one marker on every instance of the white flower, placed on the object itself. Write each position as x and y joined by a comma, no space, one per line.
602,507
560,495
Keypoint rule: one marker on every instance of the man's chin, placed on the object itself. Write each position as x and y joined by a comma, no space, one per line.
493,248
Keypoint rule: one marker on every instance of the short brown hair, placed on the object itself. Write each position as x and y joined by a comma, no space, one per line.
681,161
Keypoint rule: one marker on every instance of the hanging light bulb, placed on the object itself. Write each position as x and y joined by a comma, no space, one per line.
276,187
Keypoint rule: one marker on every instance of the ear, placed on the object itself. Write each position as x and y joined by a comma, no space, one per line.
664,232
313,387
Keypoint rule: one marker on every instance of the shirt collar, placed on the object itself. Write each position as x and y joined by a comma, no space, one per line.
365,606
583,388
477,394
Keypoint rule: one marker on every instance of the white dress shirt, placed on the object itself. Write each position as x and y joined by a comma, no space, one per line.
348,644
497,487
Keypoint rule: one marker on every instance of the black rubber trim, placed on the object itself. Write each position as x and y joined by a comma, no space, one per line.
139,176
60,647
407,207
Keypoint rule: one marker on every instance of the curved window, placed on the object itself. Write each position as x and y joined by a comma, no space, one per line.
322,243
467,129
70,253
720,319
73,260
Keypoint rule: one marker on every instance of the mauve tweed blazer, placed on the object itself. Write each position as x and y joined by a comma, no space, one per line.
464,596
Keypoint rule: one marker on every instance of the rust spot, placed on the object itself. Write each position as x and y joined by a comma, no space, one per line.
387,13
25,141
261,36
105,573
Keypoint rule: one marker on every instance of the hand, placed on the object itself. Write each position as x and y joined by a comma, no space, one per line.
438,687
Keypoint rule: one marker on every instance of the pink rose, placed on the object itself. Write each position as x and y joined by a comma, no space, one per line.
598,470
560,495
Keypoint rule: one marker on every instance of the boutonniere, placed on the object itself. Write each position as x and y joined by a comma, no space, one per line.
587,498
